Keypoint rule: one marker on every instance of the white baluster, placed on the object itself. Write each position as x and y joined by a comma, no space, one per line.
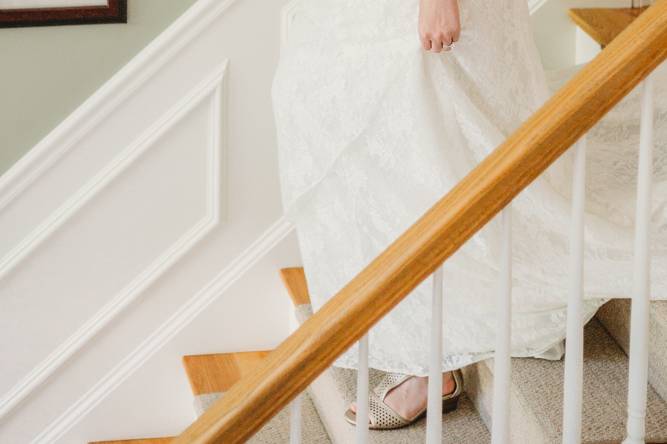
362,393
638,378
295,421
502,360
434,406
574,346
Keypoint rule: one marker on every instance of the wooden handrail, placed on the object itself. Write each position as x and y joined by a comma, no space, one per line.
494,183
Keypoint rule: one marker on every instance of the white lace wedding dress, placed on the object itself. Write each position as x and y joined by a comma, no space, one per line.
372,131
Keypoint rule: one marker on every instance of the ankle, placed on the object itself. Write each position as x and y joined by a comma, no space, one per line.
448,383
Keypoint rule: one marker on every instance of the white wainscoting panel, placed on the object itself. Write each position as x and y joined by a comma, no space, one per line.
150,217
113,250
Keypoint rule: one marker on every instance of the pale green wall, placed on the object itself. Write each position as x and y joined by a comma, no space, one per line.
45,73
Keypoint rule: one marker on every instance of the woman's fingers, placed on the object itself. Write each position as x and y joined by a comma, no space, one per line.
426,43
439,24
437,44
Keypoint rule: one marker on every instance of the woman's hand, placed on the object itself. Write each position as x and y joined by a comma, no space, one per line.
439,24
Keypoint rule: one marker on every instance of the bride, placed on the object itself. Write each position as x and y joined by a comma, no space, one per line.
381,107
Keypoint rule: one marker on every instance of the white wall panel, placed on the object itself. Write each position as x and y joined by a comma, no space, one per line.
556,34
109,243
115,248
155,399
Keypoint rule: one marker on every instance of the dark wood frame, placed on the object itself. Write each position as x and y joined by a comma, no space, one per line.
114,12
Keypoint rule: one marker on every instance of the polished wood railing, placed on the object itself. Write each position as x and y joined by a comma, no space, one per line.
492,185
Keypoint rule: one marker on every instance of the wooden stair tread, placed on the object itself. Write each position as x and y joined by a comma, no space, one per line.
604,24
137,441
218,372
294,279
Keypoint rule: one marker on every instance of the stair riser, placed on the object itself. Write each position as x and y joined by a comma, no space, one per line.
615,317
330,406
536,395
524,426
333,391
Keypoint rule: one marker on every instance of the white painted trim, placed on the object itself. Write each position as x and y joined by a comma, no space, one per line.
209,88
118,166
163,334
361,428
108,98
535,5
287,14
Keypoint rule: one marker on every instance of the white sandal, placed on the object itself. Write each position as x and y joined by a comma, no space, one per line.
383,417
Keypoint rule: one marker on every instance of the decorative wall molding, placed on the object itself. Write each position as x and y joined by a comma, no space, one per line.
108,98
163,334
287,15
212,89
98,183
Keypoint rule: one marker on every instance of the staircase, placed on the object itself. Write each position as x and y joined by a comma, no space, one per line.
211,375
335,389
537,395
604,24
245,396
536,389
615,317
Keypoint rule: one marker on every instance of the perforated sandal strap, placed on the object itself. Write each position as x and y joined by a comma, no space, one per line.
458,380
382,416
388,383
